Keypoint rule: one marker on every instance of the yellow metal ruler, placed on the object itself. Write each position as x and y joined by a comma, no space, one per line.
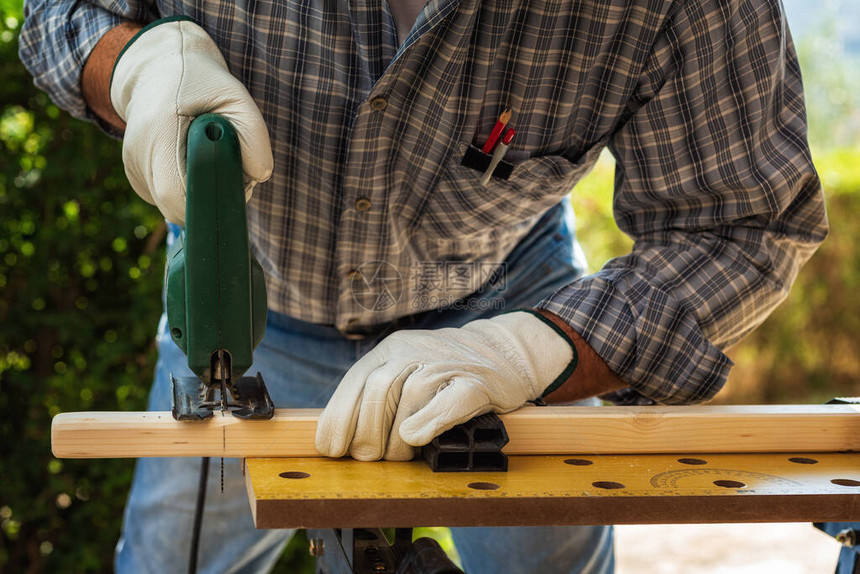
548,490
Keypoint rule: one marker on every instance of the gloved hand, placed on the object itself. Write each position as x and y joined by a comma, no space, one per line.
168,75
417,384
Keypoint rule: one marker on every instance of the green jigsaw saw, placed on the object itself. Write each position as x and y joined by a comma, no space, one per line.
216,291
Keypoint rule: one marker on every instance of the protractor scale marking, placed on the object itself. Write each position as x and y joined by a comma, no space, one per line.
750,479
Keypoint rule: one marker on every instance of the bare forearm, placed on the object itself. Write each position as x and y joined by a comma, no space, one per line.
592,376
95,82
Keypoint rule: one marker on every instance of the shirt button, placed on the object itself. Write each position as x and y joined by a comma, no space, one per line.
378,104
362,204
354,274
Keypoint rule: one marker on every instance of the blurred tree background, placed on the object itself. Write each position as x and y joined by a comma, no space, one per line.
80,274
81,262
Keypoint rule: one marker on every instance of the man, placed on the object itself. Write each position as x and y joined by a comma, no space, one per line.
357,121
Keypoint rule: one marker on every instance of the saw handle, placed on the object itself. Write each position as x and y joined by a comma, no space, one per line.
216,295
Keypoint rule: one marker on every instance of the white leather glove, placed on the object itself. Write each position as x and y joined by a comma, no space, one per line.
170,74
417,384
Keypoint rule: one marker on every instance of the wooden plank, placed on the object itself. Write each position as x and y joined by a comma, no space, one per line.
533,430
544,490
140,434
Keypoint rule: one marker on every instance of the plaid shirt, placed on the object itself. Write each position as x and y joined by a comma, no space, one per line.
700,102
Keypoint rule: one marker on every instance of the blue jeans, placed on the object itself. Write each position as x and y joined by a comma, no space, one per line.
302,364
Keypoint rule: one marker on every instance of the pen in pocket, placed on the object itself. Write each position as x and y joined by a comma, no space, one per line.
498,155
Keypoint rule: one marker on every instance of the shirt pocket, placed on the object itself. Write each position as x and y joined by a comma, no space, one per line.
459,207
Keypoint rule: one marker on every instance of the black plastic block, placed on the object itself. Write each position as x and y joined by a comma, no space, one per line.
474,446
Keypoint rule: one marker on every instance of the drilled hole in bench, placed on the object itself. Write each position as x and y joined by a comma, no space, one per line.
607,484
729,483
845,482
692,461
484,485
577,462
294,474
802,460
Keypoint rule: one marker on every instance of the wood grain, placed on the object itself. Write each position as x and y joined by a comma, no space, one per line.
533,430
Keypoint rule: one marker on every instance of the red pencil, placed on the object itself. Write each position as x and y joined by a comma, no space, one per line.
497,131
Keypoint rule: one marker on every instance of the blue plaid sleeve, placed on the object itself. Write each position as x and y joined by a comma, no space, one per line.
715,184
57,37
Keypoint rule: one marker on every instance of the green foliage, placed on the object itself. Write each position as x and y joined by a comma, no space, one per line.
595,227
80,266
296,558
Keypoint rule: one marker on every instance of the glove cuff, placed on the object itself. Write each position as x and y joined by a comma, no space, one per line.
162,52
140,33
574,359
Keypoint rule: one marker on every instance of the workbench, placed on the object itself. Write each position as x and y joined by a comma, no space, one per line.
554,490
568,465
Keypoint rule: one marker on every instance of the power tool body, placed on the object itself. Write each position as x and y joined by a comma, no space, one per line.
216,291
